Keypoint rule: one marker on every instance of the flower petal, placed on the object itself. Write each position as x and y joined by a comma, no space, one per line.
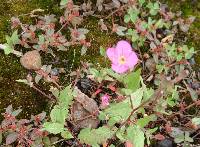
105,100
120,68
123,48
111,53
131,60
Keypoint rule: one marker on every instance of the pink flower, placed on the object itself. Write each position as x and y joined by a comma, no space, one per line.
105,100
122,57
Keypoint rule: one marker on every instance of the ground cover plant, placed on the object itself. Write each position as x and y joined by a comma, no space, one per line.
144,92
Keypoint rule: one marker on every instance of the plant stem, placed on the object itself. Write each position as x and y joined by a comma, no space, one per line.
17,53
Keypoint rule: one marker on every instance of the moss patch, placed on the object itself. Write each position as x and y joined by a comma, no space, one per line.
12,92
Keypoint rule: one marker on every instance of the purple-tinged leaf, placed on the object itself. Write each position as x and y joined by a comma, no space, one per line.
9,109
11,138
116,3
23,121
99,4
0,137
16,112
41,116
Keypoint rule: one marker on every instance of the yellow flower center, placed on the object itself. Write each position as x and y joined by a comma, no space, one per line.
122,60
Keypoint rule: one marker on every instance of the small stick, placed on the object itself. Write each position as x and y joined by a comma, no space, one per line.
44,94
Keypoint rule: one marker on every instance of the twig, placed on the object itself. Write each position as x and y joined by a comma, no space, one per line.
154,97
62,27
58,141
17,53
32,13
196,134
86,117
2,46
44,94
121,8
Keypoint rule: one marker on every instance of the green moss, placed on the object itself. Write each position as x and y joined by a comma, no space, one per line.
12,92
17,94
97,39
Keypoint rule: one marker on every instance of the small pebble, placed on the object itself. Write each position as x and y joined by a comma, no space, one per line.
195,85
150,64
31,60
192,61
54,72
165,143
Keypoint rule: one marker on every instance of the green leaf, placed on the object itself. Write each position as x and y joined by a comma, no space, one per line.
9,40
46,141
23,81
8,49
142,122
135,135
188,138
63,2
159,23
134,34
141,2
118,112
120,30
179,57
189,53
111,73
160,67
121,134
15,37
153,7
179,138
102,115
65,97
95,136
83,50
54,91
152,130
41,39
133,12
196,121
16,112
127,18
66,134
129,78
148,92
0,137
102,51
193,93
148,134
136,97
94,72
58,114
53,128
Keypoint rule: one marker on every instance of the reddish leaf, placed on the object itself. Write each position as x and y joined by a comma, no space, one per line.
159,137
111,87
128,144
97,92
9,109
41,116
168,128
